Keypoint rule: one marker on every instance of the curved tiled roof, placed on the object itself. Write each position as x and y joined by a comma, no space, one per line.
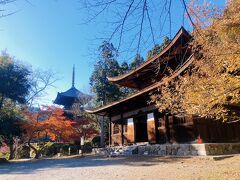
122,79
146,90
71,95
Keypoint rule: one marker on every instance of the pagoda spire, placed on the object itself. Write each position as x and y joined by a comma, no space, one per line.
73,76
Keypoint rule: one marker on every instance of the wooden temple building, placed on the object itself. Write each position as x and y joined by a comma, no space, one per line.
134,120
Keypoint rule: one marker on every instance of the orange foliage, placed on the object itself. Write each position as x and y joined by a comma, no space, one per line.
85,127
50,123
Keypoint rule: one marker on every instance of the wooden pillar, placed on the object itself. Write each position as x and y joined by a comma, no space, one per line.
167,128
122,136
156,120
130,130
162,129
151,128
102,131
110,131
171,128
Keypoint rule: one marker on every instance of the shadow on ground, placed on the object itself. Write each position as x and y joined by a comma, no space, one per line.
30,167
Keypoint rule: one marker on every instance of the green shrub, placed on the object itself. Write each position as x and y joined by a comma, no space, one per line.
3,160
5,155
56,148
52,150
96,141
23,152
87,148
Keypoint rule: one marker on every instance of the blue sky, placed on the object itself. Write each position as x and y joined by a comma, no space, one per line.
50,34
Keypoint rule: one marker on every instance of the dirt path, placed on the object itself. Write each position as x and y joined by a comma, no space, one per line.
124,168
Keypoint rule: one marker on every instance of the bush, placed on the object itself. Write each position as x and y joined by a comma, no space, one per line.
73,149
3,160
56,148
96,141
5,155
4,151
23,152
87,148
52,150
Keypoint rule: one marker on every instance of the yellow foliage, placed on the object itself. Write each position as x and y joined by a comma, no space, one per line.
213,88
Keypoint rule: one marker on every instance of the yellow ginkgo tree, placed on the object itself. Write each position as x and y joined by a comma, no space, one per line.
211,88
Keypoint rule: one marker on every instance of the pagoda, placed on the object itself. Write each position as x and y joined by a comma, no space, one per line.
71,96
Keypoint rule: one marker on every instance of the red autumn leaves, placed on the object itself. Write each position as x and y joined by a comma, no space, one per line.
53,124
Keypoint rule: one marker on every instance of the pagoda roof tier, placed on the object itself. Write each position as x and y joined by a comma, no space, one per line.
154,69
140,98
71,96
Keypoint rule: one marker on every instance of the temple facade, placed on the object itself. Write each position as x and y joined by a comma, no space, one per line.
136,120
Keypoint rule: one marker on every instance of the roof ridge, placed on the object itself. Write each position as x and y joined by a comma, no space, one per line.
180,31
149,88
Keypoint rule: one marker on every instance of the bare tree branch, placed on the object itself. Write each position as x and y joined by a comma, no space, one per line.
150,23
140,32
41,81
123,22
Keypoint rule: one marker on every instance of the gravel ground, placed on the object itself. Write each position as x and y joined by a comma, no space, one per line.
123,168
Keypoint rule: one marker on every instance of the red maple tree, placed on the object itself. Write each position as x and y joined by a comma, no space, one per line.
85,128
49,123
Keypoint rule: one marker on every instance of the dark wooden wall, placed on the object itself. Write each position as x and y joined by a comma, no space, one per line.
216,131
181,129
174,129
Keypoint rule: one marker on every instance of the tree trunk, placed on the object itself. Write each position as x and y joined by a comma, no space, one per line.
1,101
37,153
12,151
